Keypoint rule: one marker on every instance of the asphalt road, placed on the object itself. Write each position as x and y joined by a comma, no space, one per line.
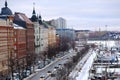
51,67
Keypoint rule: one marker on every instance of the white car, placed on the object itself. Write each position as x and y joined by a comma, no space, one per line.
16,76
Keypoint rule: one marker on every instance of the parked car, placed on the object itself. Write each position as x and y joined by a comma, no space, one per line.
16,76
41,65
25,73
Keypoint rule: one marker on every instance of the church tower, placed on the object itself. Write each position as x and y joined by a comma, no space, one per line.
34,17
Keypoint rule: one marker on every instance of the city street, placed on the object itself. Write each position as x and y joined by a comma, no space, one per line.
50,67
43,40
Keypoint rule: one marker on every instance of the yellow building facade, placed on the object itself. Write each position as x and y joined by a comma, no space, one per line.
51,37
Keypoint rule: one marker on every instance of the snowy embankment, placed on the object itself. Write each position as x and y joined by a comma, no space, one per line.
84,73
105,43
79,66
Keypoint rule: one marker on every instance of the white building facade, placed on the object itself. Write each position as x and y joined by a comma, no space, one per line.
59,23
40,34
37,37
43,39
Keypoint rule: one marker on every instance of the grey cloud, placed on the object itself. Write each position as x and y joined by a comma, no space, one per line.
84,13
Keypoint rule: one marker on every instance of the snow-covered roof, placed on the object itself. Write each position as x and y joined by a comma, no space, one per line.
17,26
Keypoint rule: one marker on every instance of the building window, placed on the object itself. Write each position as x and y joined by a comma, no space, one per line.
15,39
15,32
3,64
41,44
15,47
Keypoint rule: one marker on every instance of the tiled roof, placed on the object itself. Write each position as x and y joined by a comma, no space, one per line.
22,17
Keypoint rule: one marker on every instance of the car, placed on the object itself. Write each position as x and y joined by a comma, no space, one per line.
40,65
47,61
42,77
52,59
16,76
25,73
28,72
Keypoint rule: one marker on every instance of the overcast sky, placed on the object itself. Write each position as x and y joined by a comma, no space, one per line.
80,14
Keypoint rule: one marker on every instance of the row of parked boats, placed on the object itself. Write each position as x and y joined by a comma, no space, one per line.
106,65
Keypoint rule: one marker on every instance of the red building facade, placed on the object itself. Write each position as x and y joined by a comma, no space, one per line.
22,20
20,47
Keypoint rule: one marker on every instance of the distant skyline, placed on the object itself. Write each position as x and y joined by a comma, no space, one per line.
80,14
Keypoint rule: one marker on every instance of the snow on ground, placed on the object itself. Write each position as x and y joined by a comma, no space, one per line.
84,73
108,43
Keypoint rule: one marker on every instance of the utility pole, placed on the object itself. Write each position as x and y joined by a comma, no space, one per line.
106,37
